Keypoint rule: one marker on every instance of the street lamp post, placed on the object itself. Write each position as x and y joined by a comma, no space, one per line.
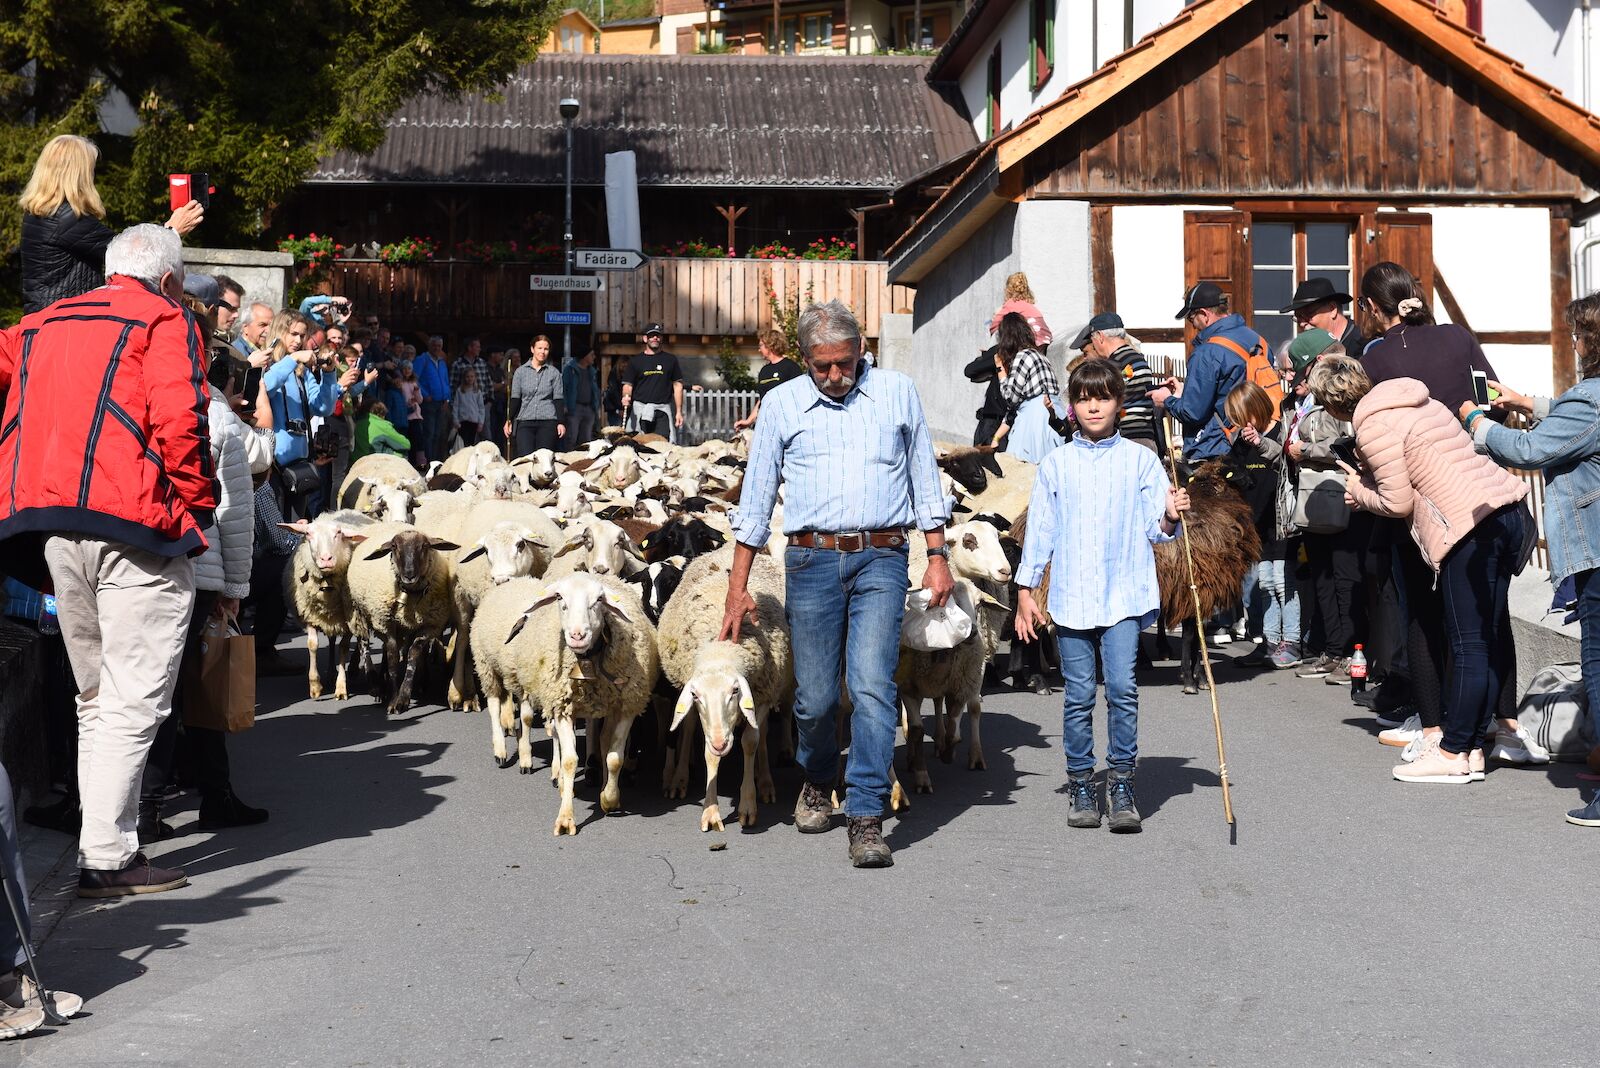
569,111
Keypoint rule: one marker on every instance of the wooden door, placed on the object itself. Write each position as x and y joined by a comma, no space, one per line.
1403,237
1216,248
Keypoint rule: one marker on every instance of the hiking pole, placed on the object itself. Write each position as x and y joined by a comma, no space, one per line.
1205,655
47,998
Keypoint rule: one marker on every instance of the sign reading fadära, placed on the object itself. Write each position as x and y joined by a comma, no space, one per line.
567,283
608,259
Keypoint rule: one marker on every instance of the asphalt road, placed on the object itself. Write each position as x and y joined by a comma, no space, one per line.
408,905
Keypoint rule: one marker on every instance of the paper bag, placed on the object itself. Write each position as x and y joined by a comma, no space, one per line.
220,693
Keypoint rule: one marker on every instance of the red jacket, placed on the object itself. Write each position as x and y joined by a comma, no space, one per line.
104,431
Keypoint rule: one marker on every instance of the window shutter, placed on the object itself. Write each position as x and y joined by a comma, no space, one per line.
1406,238
1215,249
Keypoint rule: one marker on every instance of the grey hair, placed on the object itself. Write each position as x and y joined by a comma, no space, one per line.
827,323
1114,331
145,252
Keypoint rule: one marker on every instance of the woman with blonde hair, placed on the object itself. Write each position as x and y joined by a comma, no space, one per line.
1019,299
63,236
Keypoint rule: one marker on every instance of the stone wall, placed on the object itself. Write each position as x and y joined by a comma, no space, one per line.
266,276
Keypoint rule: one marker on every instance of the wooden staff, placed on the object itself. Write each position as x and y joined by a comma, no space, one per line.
509,417
1205,655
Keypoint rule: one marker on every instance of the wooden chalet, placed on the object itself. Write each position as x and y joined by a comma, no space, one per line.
1256,143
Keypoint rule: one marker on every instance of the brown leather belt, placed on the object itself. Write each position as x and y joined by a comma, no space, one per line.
851,541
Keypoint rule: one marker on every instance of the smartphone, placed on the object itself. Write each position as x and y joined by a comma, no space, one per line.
1345,450
182,188
1480,389
252,384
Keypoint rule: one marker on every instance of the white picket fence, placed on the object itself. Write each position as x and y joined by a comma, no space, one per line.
711,413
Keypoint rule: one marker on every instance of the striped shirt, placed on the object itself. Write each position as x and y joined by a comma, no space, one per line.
1138,410
1095,512
865,462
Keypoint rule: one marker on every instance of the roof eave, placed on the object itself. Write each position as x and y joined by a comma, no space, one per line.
962,45
974,199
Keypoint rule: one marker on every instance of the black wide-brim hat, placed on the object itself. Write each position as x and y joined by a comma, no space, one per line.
1314,291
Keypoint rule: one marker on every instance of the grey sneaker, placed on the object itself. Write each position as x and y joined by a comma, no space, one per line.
1085,799
867,847
813,811
1119,796
1338,672
1317,669
1285,656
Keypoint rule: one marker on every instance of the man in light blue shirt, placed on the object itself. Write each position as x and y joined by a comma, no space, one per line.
851,446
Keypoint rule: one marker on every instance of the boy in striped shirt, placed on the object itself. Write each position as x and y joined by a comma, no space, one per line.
1099,503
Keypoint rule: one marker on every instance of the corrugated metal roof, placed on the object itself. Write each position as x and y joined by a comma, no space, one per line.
867,122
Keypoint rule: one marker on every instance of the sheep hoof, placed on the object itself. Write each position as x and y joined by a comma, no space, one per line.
747,816
1189,688
526,769
316,690
506,761
947,753
975,763
898,801
565,825
921,783
711,819
767,793
611,804
341,694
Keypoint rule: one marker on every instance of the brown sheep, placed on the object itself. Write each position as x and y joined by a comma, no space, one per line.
1225,544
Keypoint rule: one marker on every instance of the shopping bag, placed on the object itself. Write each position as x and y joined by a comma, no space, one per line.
932,629
220,692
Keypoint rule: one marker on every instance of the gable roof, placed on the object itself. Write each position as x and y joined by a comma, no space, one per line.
586,19
992,179
868,122
959,49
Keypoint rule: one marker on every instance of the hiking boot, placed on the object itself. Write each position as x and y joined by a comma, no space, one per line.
138,877
19,991
1338,672
813,811
224,809
1285,656
151,827
1317,669
1085,799
1119,798
867,847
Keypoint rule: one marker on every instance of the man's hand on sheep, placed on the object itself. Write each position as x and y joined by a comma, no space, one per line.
740,606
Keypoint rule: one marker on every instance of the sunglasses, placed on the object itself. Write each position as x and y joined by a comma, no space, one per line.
225,304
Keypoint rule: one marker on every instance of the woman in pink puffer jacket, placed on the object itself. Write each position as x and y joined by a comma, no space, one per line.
1467,515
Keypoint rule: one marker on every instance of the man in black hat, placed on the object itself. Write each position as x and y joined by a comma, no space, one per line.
1318,304
1106,337
1215,366
652,388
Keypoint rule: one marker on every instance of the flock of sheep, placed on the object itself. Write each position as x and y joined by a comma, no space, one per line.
591,584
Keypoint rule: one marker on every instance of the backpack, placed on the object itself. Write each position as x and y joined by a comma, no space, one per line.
1258,368
1555,712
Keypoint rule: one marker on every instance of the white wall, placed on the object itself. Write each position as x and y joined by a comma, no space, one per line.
1546,36
1047,239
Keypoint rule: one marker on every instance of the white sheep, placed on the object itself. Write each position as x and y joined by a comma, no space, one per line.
572,495
355,491
597,546
399,584
461,461
726,681
975,554
952,679
539,468
320,590
500,540
594,655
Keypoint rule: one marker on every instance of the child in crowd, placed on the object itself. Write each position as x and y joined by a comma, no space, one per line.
374,433
1269,589
469,408
1099,503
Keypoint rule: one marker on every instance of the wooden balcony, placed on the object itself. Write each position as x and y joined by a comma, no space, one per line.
697,301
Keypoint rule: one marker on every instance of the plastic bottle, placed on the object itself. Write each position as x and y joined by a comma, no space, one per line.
1358,671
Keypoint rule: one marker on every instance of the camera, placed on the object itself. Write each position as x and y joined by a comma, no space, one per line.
325,446
298,427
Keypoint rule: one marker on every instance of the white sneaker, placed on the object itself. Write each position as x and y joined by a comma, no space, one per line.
1241,630
1222,637
1406,733
1518,748
1416,745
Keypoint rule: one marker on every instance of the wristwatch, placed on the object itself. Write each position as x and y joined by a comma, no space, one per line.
942,551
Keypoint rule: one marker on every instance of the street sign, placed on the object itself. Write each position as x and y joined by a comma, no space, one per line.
567,283
566,318
608,259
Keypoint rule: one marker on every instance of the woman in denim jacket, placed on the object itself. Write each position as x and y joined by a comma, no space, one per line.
1565,442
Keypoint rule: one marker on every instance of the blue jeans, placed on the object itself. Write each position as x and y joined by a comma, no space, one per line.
1118,645
844,614
1474,579
1588,583
1274,577
433,426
